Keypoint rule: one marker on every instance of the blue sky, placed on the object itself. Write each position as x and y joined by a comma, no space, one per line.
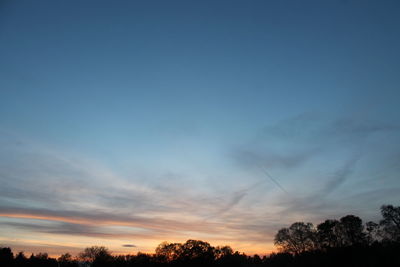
165,115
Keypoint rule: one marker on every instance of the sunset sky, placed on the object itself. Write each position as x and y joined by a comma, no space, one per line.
129,123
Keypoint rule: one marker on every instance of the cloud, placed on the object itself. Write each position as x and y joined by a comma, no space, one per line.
53,192
340,176
226,206
92,217
63,194
128,246
318,158
254,156
357,128
55,228
292,143
314,127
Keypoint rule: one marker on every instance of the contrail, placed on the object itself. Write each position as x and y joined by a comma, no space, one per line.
273,180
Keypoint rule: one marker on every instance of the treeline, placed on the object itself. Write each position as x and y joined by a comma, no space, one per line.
190,253
343,242
346,232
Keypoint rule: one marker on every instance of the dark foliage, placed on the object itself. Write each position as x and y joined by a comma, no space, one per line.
345,242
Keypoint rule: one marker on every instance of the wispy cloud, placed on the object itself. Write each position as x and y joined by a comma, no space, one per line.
68,195
313,159
292,142
318,156
340,176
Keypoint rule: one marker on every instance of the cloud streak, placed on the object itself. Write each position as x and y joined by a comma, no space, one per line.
90,201
60,195
319,157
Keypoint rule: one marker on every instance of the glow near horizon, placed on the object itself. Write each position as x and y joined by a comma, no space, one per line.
135,124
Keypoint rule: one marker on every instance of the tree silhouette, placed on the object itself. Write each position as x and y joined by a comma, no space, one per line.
372,232
390,223
167,252
65,260
223,252
97,256
327,234
351,231
298,238
6,257
20,259
42,260
196,251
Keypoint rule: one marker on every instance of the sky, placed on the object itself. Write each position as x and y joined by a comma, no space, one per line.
130,123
